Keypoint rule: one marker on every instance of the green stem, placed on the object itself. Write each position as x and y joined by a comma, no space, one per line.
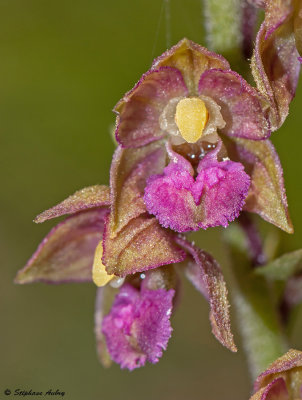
223,24
223,20
259,326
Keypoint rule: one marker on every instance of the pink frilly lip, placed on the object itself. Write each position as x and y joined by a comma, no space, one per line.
183,203
138,328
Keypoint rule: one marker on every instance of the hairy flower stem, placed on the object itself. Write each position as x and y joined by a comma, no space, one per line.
223,23
262,336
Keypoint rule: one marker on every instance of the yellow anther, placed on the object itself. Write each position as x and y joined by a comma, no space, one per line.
191,118
99,274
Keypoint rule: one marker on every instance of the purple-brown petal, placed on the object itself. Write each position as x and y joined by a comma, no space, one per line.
191,60
248,26
275,64
138,328
139,111
276,390
267,195
242,107
84,199
298,26
141,245
205,274
66,253
292,359
130,169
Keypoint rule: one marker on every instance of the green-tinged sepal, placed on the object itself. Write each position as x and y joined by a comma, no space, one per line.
267,196
141,245
66,253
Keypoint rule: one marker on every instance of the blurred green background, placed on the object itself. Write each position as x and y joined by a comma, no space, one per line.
64,64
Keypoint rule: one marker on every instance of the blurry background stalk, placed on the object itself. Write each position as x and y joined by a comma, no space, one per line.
223,25
230,25
261,334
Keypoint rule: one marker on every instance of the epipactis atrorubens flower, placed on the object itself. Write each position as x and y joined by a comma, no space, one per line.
134,304
277,55
193,152
212,129
282,380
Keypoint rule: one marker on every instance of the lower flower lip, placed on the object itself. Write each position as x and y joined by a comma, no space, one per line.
137,329
215,197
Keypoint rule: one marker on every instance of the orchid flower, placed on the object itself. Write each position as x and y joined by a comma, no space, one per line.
138,306
193,152
213,129
282,380
276,61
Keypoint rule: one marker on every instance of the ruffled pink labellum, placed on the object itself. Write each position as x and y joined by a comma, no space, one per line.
138,328
214,197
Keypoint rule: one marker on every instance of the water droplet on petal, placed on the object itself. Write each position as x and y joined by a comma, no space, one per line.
116,283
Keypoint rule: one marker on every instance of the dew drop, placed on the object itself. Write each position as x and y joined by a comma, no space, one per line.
116,283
